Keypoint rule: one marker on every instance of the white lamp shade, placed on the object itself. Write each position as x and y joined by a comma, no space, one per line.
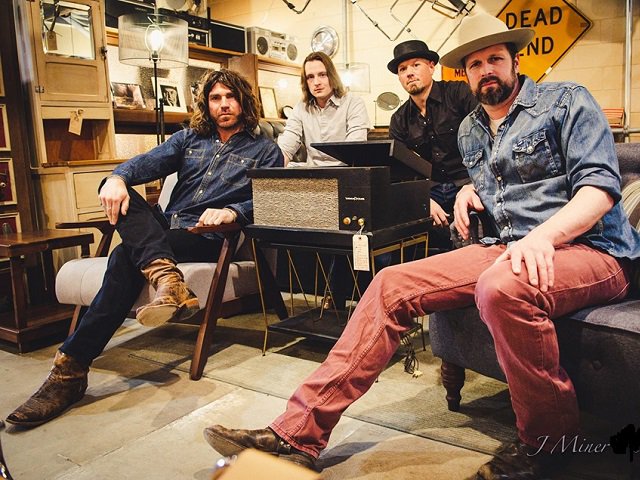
145,36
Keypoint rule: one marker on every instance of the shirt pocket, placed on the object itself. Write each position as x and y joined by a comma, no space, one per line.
533,158
475,165
194,155
234,171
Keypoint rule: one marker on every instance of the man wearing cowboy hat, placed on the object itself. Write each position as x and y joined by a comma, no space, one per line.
543,167
428,124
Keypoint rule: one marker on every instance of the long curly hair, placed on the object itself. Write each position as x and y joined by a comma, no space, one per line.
332,73
201,120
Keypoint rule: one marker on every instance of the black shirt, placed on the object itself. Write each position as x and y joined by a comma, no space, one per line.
435,138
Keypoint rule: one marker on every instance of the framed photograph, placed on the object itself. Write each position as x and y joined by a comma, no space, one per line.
268,100
127,95
7,183
5,143
2,94
172,95
10,223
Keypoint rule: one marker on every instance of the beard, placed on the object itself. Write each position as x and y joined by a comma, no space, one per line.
496,94
415,88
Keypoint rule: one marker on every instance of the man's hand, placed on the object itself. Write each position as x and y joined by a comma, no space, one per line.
537,254
216,216
440,217
466,200
114,198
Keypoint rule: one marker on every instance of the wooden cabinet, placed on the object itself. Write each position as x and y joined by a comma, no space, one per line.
65,72
71,105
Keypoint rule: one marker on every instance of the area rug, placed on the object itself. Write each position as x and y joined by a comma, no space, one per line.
398,400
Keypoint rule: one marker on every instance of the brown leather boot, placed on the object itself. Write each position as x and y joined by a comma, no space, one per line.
228,442
64,386
519,461
173,300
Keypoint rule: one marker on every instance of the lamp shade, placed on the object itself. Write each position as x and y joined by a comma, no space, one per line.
145,37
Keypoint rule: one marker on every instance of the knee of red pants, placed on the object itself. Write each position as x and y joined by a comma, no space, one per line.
501,294
392,291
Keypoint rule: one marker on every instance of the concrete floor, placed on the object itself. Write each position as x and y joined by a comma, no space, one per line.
141,420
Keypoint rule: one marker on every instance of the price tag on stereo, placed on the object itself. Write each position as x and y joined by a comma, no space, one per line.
361,253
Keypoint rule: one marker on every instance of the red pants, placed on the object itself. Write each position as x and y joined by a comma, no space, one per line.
517,314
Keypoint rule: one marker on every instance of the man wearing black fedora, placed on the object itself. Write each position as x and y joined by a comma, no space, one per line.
428,124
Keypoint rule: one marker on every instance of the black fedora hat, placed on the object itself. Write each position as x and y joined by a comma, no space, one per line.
411,49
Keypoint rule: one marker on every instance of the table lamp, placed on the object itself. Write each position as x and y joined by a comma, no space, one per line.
152,38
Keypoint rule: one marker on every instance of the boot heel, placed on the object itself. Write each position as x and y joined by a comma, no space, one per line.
187,309
152,316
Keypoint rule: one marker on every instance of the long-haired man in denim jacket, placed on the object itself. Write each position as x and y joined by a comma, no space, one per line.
211,159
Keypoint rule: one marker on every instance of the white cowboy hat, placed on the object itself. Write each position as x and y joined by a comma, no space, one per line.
481,31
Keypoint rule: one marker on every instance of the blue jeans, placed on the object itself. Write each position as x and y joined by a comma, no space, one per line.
145,237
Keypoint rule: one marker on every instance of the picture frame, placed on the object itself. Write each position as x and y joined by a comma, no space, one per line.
172,95
7,183
268,100
12,221
127,95
5,141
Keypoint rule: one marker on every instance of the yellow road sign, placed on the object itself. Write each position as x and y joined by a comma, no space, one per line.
558,26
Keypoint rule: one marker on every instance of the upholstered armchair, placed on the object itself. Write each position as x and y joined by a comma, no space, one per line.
224,288
598,345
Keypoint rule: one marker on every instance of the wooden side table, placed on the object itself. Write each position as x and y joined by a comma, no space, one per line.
29,322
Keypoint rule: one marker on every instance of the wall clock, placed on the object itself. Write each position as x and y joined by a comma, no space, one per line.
325,39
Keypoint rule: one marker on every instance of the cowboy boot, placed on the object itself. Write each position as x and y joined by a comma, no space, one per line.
228,442
64,386
173,300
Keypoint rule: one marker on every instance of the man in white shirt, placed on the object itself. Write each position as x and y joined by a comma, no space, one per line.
326,113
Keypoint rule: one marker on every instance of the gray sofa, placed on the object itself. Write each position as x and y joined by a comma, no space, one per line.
599,346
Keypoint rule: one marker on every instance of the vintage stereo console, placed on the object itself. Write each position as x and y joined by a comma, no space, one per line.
271,44
386,184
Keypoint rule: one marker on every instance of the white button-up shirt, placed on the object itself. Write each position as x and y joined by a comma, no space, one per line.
342,119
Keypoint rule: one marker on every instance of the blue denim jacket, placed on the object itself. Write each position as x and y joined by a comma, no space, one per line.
554,140
211,174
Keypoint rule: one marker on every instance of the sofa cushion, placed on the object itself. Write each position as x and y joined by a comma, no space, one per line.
79,280
623,316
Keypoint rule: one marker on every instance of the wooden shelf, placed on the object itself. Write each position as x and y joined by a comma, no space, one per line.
144,121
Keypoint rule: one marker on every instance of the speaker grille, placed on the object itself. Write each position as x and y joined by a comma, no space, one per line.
296,202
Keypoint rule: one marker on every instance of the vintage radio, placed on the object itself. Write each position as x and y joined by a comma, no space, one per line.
197,27
272,44
385,184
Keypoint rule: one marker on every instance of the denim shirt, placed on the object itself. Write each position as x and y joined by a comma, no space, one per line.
211,174
553,141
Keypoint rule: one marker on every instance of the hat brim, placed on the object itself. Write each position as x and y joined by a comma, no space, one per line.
518,36
393,64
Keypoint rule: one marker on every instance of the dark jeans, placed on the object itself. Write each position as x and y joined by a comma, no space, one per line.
145,237
440,237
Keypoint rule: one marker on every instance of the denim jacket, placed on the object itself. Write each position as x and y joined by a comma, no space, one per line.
211,174
553,141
